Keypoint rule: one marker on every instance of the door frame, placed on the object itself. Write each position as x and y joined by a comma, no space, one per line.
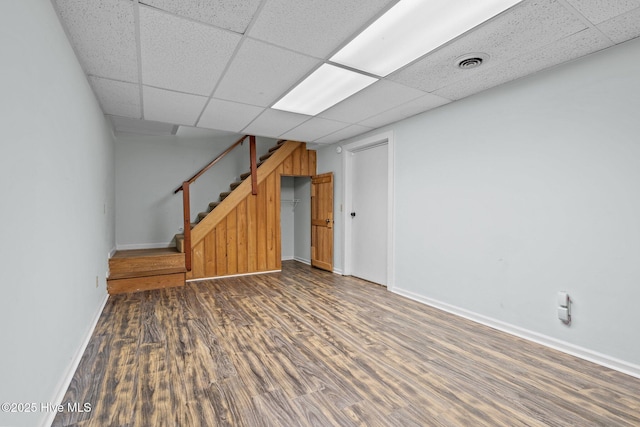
347,169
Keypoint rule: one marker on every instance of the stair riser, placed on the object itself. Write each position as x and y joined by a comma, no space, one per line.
119,266
138,284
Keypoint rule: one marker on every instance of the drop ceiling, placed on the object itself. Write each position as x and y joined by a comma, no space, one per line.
222,64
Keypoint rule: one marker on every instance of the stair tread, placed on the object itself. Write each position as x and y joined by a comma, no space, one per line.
136,253
265,156
147,273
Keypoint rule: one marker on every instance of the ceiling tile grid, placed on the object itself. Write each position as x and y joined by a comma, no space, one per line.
346,133
227,115
172,107
230,15
117,98
574,46
526,27
424,103
183,55
102,33
261,73
598,11
373,100
313,129
316,28
622,27
220,64
273,123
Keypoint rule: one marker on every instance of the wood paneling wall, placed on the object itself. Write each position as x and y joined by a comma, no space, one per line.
242,234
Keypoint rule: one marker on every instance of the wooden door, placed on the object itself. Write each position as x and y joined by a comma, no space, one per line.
322,221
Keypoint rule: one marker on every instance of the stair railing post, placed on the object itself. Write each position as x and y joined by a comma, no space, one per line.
252,154
186,208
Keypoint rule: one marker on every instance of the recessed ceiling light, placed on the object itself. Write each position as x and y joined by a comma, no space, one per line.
324,88
413,28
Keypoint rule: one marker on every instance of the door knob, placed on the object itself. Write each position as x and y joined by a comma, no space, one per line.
328,221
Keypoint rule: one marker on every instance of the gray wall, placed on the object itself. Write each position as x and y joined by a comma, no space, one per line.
509,196
57,218
287,220
302,220
150,168
296,218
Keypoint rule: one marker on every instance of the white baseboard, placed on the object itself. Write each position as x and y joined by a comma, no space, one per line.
65,381
288,258
143,246
563,346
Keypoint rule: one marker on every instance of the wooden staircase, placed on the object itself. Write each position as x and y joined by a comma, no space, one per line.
241,234
145,269
238,234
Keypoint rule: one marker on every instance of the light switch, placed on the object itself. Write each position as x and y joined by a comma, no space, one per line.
563,299
563,314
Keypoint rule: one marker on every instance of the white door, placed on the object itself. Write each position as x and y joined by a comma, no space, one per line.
368,216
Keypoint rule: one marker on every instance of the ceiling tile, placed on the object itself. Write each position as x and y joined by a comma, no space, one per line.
171,107
191,132
411,108
230,15
142,127
598,11
316,28
343,134
227,115
117,98
313,129
103,35
527,26
623,27
273,123
571,47
261,73
182,55
375,99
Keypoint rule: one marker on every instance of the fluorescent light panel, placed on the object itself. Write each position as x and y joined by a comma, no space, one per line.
413,28
324,88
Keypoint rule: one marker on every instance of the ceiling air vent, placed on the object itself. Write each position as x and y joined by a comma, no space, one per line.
471,60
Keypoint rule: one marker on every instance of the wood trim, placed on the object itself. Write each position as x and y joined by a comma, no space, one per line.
186,223
137,284
252,154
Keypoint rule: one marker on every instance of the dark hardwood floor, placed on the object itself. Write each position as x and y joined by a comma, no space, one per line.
309,348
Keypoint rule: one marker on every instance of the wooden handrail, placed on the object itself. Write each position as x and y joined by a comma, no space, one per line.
213,162
186,206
